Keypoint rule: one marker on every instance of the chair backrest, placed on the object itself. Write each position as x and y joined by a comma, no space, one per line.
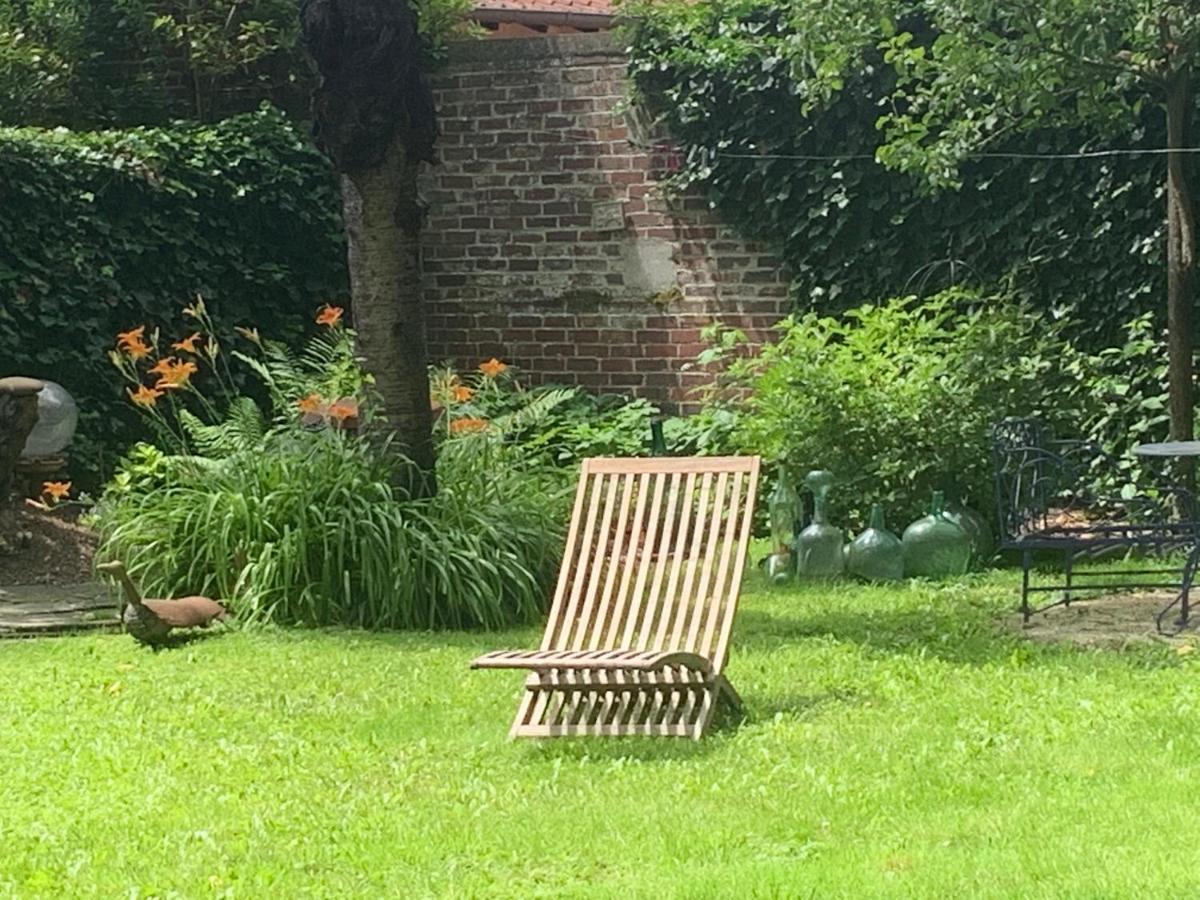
654,555
1037,475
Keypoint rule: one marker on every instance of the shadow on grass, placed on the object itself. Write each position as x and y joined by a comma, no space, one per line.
178,640
970,635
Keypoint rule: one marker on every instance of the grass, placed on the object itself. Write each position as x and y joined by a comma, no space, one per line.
899,744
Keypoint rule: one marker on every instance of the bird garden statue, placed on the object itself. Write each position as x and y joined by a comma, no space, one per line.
151,621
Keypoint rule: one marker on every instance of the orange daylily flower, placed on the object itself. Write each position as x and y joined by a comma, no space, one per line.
343,410
493,368
188,344
462,393
310,404
176,375
329,315
56,490
132,336
163,366
464,425
131,342
145,396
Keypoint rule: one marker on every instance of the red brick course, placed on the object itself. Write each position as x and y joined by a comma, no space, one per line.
538,215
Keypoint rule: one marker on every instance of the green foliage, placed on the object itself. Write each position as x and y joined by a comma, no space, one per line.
898,399
299,522
562,425
103,231
304,529
101,63
1023,64
783,147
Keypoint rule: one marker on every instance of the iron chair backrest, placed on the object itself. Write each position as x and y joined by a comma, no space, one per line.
654,555
1034,474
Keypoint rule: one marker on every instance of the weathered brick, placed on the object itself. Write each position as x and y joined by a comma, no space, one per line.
518,263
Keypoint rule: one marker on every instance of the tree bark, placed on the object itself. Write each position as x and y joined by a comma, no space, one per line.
1181,258
383,221
374,116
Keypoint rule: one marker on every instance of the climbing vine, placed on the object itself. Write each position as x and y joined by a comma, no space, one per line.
786,152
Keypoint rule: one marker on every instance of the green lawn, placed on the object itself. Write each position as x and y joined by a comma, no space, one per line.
898,744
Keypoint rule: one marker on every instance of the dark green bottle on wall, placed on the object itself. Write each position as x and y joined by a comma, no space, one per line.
658,443
936,547
876,554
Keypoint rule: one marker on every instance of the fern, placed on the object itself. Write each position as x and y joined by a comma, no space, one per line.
244,429
532,413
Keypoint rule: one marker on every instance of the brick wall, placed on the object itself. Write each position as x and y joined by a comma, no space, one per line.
549,244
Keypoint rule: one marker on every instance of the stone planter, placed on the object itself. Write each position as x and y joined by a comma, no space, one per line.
18,415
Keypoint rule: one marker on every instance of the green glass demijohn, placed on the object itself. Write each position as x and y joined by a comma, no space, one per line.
935,546
876,554
983,544
783,511
819,546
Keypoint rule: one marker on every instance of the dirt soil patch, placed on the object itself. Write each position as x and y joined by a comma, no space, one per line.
1111,622
44,548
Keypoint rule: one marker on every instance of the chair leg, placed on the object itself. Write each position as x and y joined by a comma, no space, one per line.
1185,588
1026,563
1068,565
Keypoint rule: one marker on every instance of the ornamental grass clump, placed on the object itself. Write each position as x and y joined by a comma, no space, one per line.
292,515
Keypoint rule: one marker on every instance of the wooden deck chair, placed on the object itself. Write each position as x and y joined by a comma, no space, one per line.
639,626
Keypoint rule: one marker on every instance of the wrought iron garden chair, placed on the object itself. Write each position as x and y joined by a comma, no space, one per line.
1046,508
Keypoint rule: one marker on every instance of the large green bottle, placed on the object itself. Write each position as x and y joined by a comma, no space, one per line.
936,547
783,510
983,544
819,551
876,554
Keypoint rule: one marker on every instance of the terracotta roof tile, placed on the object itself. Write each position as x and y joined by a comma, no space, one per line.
568,7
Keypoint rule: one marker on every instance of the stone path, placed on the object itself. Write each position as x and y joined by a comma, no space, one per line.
34,609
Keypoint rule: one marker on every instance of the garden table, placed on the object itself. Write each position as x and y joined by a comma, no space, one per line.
1178,450
1169,449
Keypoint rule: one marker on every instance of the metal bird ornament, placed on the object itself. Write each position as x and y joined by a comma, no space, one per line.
151,621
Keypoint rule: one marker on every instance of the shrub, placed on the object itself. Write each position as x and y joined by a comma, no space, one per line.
563,425
293,515
102,230
898,399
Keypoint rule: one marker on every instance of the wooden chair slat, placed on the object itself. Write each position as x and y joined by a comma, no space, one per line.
678,558
720,590
578,624
729,605
705,599
645,614
579,542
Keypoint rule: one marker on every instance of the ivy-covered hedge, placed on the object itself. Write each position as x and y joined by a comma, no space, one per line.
1078,234
103,231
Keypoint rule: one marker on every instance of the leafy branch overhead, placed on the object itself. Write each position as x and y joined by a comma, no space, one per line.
783,112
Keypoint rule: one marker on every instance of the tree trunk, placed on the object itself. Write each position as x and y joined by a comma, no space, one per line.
383,223
1181,262
373,115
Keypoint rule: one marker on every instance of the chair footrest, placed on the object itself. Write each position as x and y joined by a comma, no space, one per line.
593,660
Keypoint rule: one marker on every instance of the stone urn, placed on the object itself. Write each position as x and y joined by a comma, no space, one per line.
18,416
